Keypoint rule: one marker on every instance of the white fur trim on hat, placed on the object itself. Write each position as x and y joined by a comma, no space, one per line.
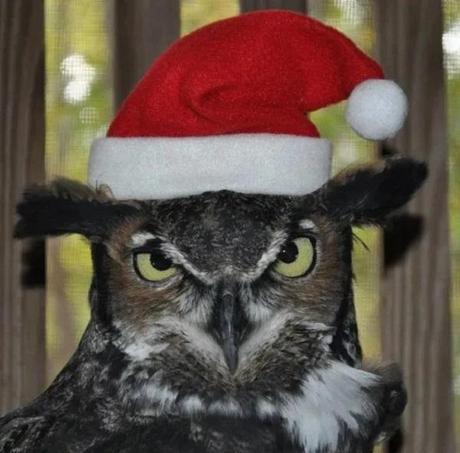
170,167
376,109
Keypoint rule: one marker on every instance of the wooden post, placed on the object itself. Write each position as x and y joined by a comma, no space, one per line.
415,307
22,309
142,30
293,5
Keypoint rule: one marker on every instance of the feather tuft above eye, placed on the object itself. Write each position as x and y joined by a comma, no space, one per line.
367,195
65,206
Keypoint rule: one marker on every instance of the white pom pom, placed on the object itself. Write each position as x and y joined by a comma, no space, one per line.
376,109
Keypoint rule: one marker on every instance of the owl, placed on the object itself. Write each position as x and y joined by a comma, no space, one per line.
220,322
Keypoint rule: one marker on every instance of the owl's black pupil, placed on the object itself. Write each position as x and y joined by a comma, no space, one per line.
159,261
289,253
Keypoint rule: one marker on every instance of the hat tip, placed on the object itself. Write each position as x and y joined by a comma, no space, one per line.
376,109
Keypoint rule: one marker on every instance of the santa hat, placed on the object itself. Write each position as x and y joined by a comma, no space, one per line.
226,107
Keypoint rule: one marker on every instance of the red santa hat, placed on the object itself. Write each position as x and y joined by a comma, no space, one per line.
227,106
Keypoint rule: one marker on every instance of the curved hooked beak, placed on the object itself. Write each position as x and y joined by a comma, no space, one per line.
229,324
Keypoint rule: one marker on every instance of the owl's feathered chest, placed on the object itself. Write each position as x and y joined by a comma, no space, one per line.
328,412
308,403
298,396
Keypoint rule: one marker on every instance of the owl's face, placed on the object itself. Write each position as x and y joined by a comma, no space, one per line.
225,265
222,293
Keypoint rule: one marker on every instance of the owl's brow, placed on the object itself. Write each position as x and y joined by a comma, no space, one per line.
144,239
270,254
278,239
307,224
141,238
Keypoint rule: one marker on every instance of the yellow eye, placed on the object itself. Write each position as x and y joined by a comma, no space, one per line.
297,257
154,266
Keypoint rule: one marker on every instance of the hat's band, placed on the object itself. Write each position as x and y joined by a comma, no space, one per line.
171,167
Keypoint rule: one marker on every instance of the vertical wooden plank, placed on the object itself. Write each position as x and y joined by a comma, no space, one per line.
142,30
22,311
294,5
415,306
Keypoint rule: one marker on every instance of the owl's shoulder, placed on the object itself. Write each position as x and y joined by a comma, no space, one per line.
20,432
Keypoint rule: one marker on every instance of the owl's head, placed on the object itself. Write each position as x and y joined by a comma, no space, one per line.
221,272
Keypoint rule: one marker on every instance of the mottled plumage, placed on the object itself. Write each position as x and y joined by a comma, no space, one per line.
226,354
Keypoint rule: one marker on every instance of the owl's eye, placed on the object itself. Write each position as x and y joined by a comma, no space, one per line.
297,257
153,266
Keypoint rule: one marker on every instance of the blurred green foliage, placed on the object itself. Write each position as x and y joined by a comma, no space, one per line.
78,108
196,13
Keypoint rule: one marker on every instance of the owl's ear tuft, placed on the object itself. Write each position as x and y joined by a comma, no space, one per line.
64,207
367,195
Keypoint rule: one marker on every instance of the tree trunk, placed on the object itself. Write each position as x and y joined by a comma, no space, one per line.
22,275
415,307
142,30
293,5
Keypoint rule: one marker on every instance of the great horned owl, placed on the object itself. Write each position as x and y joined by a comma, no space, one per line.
221,322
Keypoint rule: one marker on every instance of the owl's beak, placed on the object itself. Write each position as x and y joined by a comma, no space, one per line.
228,325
